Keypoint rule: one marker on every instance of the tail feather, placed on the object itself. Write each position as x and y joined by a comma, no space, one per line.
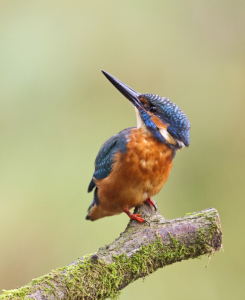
95,201
91,186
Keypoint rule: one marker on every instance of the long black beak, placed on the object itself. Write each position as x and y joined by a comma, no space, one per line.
129,93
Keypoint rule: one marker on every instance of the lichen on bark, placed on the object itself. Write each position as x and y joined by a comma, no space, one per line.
139,251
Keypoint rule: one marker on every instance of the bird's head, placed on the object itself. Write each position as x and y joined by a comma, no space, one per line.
164,119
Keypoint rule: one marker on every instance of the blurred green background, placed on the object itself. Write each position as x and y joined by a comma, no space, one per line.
56,110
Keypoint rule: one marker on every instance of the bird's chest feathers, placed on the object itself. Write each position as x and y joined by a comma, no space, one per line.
147,162
137,174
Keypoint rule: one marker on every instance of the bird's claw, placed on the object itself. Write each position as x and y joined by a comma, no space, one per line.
136,217
152,203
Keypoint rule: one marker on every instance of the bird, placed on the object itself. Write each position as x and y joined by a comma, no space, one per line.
133,165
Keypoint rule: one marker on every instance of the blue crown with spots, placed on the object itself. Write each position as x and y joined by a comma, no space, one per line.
169,112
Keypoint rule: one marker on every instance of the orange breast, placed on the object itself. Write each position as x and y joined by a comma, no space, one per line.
138,174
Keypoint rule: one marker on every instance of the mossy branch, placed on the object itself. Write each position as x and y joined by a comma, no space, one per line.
139,251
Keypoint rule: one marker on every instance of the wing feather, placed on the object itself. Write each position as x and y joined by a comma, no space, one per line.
104,159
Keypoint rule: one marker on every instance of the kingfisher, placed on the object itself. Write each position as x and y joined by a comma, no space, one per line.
134,164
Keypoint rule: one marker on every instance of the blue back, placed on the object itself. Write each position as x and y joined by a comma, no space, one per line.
105,158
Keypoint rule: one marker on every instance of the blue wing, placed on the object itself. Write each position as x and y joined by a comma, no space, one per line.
104,159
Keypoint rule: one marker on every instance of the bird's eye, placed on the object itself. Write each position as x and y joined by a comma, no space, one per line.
153,109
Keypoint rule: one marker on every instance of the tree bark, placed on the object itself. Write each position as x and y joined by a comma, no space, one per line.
139,251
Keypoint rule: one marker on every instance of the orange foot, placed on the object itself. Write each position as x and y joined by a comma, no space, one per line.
151,202
135,216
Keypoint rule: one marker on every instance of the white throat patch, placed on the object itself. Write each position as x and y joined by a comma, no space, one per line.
167,136
140,123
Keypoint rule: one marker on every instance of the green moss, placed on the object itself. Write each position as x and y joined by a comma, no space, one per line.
188,214
93,278
200,214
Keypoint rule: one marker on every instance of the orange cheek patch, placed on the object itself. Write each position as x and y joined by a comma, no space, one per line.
157,121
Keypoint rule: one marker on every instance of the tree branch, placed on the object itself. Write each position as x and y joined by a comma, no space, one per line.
139,251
